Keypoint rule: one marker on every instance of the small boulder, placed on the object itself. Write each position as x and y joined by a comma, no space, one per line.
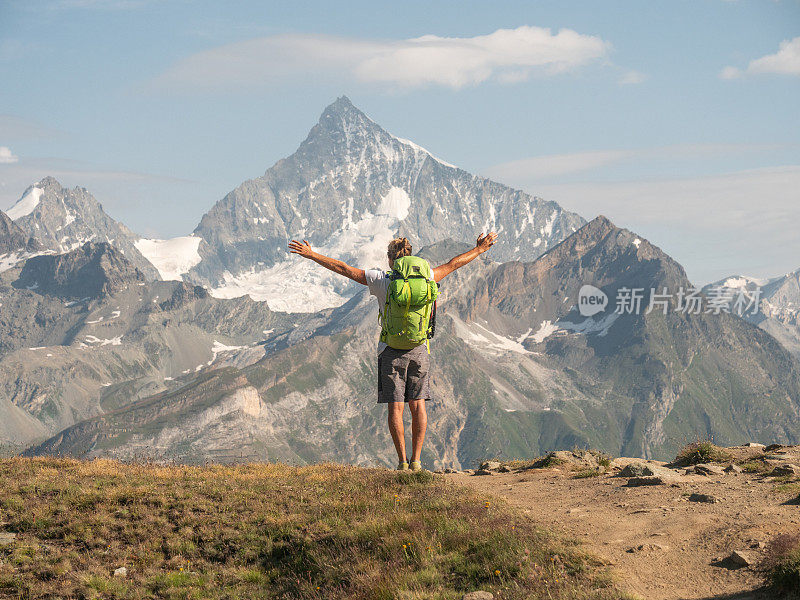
706,498
754,445
478,596
636,469
640,481
121,572
483,472
709,469
7,538
743,558
785,469
735,469
490,465
503,469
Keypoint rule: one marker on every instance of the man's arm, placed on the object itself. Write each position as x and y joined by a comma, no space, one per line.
304,249
484,243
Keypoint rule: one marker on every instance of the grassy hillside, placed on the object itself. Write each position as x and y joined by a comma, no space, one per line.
268,531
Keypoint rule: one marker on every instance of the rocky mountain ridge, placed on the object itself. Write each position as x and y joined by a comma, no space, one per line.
62,219
517,370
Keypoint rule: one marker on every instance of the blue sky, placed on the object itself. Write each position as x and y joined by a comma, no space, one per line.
678,120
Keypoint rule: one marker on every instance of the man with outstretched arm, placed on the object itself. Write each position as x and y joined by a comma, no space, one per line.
403,357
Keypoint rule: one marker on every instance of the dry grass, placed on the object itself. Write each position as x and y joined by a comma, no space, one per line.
781,565
701,451
270,531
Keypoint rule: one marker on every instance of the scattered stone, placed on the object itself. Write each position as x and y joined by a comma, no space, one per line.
478,596
640,481
483,472
709,469
754,445
707,498
503,469
7,538
735,469
647,548
742,558
772,447
785,469
490,465
450,471
121,572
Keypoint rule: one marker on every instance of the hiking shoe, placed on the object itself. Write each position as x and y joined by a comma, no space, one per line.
403,466
416,465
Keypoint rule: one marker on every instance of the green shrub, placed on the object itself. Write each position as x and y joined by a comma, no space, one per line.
701,451
781,565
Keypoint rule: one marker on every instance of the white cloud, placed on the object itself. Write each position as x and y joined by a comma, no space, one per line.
6,156
507,55
632,78
786,61
730,73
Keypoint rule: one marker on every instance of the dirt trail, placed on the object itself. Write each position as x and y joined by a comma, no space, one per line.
661,545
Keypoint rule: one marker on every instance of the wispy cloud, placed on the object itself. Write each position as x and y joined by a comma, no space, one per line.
715,226
101,4
6,156
553,165
632,78
786,61
527,171
13,128
506,55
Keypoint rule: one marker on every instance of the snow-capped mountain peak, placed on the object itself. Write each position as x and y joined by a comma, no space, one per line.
349,188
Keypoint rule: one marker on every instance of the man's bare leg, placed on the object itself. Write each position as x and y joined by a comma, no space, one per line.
419,424
397,430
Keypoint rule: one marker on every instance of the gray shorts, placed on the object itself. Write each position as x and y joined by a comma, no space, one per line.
403,375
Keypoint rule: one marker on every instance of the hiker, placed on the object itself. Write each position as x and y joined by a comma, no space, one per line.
406,304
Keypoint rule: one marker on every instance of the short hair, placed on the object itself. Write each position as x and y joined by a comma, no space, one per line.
398,248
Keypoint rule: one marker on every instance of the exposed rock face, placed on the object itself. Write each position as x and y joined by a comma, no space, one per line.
86,272
779,308
13,239
95,336
349,189
61,220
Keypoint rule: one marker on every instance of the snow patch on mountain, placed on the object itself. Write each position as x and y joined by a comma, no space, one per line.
589,325
486,340
418,148
742,282
172,258
301,286
26,204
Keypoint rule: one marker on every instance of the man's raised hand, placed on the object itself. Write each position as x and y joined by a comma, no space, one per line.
302,248
486,241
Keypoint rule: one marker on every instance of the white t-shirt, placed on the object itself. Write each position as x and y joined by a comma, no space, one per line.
378,284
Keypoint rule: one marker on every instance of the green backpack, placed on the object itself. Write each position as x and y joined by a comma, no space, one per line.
410,301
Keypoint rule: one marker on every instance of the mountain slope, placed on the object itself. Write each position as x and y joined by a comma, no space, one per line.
15,244
517,371
778,310
348,189
61,219
83,332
